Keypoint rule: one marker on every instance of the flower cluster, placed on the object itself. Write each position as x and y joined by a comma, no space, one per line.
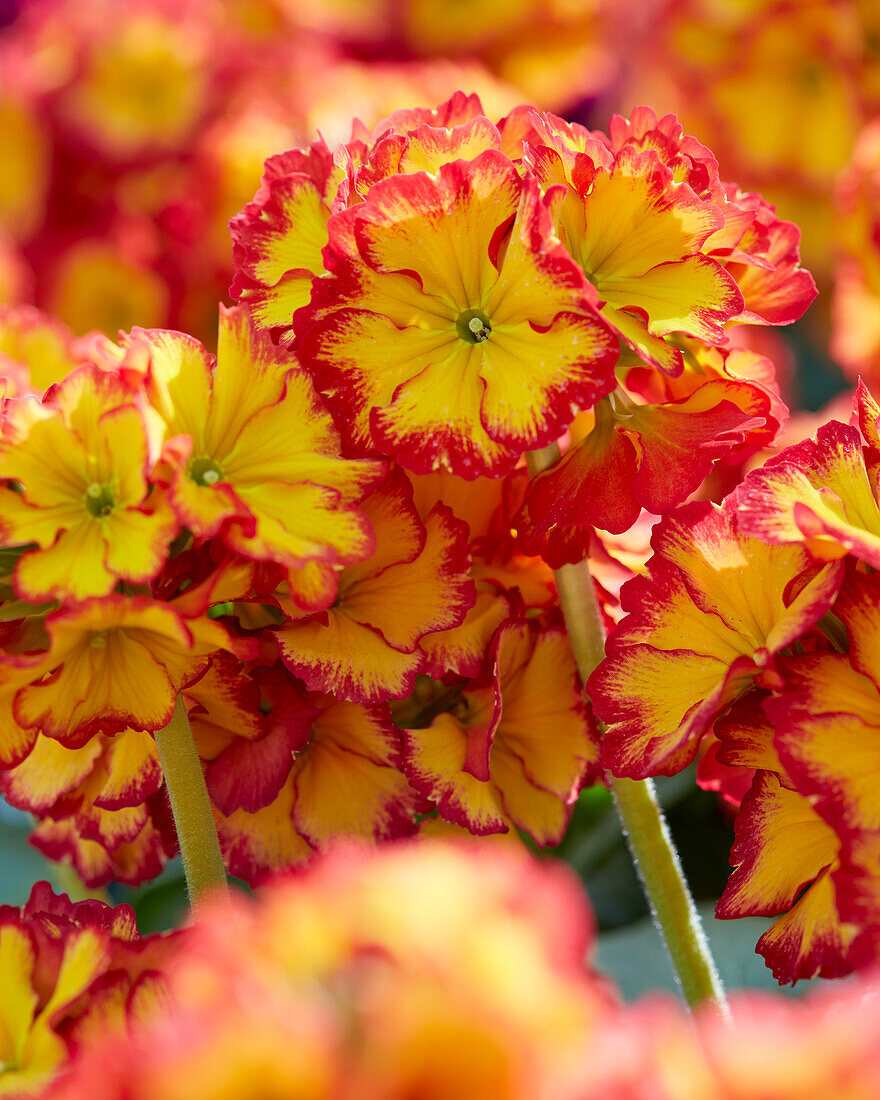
355,612
758,621
601,273
371,567
166,533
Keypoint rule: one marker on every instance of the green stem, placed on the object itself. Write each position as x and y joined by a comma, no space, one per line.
191,807
646,831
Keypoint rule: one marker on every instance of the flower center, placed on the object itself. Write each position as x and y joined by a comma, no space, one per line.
473,326
99,500
205,471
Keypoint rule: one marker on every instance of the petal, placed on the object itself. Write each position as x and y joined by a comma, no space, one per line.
636,220
464,649
542,719
256,844
694,295
346,779
347,659
133,771
811,939
73,568
591,485
49,771
435,763
408,600
781,847
299,523
18,1000
658,705
681,441
137,543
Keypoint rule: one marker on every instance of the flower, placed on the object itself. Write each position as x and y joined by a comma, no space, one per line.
82,460
487,337
110,664
327,769
820,493
68,969
514,746
786,856
653,454
235,470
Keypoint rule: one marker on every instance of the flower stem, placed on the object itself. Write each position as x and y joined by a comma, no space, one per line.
191,808
650,843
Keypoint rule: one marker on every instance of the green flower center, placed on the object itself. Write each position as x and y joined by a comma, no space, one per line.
99,500
473,326
205,471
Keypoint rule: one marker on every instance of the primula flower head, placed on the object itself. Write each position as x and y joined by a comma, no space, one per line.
487,337
82,460
234,468
481,255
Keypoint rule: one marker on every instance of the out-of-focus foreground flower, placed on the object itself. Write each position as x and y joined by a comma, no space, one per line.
436,970
69,971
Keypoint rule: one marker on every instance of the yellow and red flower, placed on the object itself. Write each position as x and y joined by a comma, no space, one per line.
97,805
786,856
68,969
327,769
828,738
705,623
110,664
235,470
822,492
82,459
653,454
513,747
487,336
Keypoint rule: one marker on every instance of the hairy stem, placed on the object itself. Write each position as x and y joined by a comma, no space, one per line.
191,807
646,831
